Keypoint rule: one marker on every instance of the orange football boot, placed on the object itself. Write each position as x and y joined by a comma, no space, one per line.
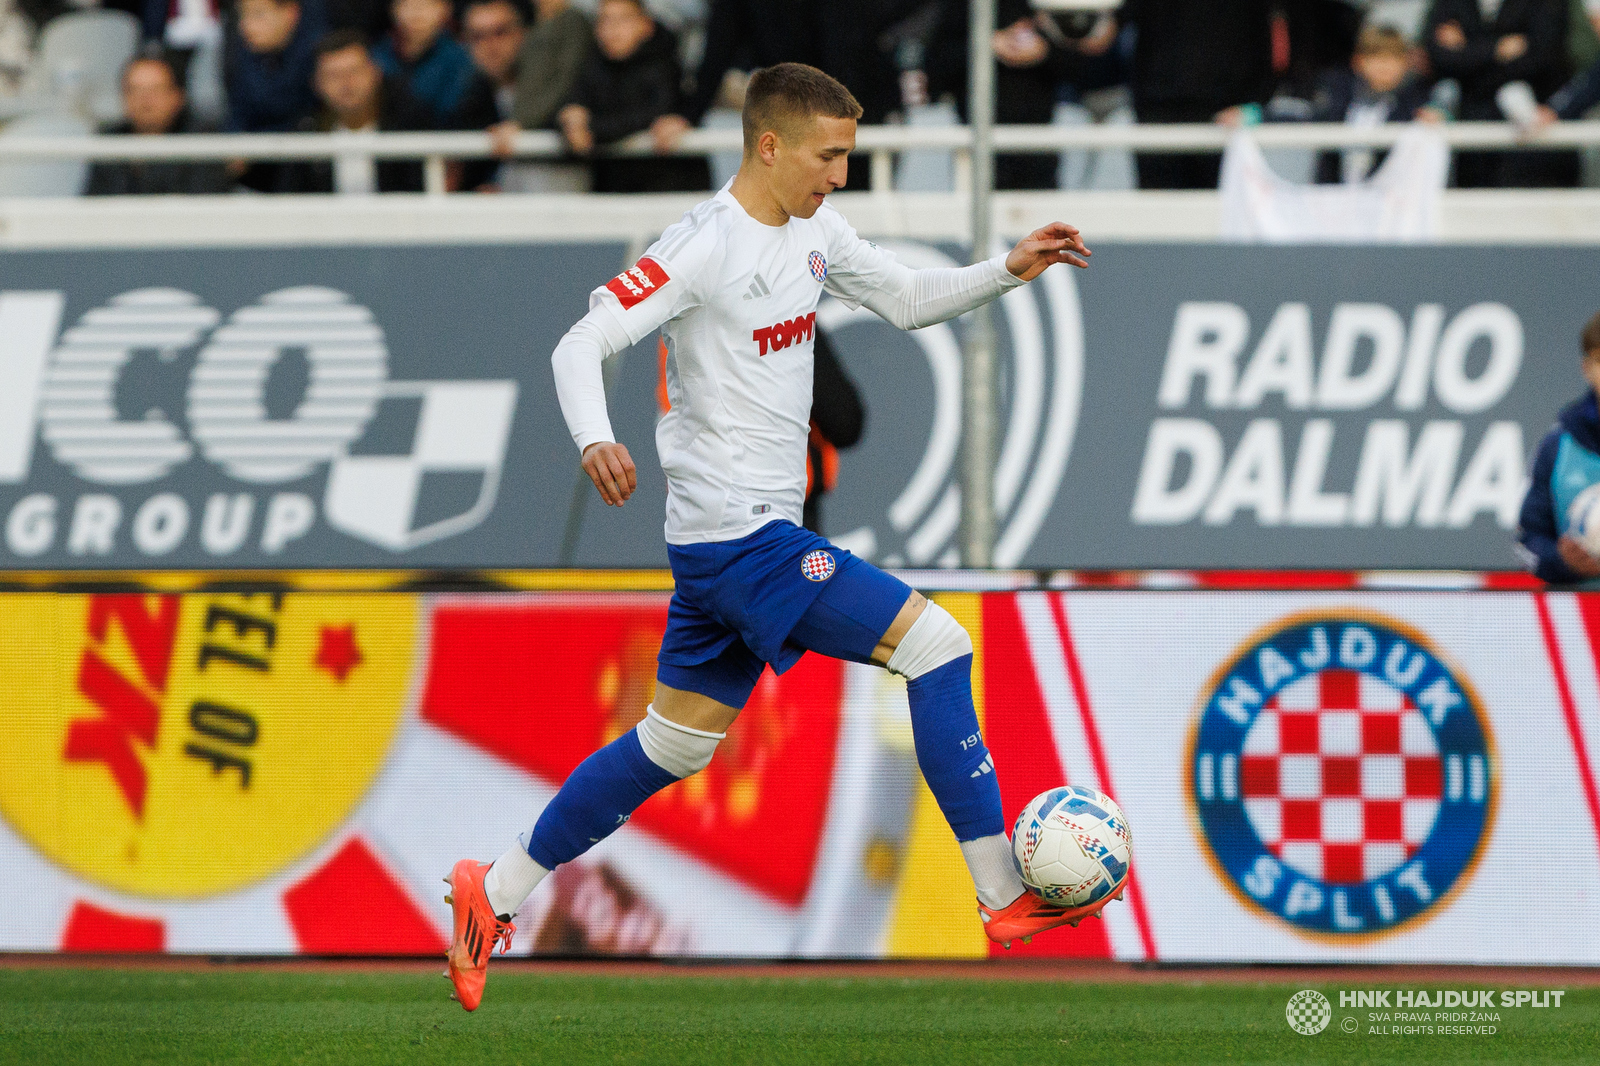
477,930
1028,914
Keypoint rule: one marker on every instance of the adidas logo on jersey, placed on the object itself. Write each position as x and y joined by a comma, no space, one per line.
780,336
758,289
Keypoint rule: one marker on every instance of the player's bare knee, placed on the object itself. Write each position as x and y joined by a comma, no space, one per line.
675,748
933,640
915,604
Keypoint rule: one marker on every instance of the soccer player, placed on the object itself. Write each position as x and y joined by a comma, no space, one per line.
734,287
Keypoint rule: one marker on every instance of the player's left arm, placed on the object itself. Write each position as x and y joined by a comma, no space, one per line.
910,299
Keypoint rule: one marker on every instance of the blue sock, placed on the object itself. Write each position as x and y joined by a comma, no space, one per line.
955,762
595,801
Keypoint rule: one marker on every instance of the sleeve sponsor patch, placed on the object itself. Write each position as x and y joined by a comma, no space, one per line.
638,283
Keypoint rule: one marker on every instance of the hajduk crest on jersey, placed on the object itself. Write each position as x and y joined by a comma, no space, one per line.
1343,773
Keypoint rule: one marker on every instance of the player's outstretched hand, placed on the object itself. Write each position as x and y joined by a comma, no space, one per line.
1055,243
611,469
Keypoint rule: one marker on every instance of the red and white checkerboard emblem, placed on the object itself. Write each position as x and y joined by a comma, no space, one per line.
1341,776
819,266
817,565
1343,773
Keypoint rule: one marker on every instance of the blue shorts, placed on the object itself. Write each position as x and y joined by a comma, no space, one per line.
767,599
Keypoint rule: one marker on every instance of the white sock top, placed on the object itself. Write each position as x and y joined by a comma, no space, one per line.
512,879
994,874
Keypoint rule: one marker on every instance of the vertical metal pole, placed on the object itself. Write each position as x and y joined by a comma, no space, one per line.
977,379
433,175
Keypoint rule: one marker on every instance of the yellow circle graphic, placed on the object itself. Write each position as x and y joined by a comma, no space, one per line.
180,746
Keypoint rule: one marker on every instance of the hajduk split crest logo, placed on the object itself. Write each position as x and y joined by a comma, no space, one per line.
817,565
818,265
1343,773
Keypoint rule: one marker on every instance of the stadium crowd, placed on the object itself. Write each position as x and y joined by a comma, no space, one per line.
598,71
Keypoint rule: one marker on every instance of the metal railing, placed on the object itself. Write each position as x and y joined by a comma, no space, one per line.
881,143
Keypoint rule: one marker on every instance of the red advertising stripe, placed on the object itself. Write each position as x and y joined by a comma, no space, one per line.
353,906
1017,730
1511,581
541,684
91,928
1273,579
1589,611
1102,768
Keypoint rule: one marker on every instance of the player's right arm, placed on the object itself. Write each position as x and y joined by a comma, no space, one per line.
622,312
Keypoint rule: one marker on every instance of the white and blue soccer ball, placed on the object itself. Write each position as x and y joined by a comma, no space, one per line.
1583,519
1072,846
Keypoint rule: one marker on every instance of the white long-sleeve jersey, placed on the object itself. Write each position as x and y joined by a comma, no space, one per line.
737,301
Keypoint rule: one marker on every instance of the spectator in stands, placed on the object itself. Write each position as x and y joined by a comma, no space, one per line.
743,32
270,56
16,46
183,26
154,102
358,97
630,81
268,59
193,35
494,32
1567,462
839,36
421,51
1033,56
1573,99
554,53
1486,45
1378,86
1193,59
1321,36
369,17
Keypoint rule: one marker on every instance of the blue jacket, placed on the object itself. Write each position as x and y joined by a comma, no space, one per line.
271,92
1578,95
1568,461
439,77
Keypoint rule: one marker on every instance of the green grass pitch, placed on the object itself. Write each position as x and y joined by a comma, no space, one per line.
58,1016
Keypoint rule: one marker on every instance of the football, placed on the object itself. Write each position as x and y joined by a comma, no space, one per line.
1583,519
1072,846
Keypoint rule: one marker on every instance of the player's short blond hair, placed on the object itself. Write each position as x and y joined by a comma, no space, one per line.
784,96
